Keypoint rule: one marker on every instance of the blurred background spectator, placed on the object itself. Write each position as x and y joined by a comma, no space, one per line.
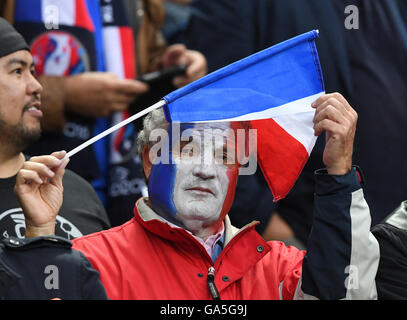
377,53
177,13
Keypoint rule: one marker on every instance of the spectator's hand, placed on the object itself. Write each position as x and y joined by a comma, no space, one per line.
98,94
335,116
39,190
178,54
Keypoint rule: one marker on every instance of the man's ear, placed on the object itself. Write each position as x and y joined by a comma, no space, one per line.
147,165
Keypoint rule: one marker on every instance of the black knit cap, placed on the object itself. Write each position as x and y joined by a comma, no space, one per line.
10,40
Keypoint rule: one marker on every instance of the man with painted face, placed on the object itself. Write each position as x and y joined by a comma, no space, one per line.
201,176
181,244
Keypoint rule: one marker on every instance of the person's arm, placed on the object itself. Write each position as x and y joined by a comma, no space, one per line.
391,233
89,94
99,94
195,62
343,256
185,2
53,270
52,103
7,10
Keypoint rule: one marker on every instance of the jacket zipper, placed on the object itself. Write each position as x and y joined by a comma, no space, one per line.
211,284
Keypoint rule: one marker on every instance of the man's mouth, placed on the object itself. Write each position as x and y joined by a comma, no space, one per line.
201,190
34,109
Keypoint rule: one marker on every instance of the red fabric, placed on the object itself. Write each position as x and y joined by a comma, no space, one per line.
128,53
151,260
280,156
82,16
118,138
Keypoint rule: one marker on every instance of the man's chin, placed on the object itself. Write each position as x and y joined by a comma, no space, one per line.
29,136
199,212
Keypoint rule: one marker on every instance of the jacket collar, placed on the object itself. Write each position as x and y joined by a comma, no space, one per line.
244,242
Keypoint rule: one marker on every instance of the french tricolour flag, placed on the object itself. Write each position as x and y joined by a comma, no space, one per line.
274,90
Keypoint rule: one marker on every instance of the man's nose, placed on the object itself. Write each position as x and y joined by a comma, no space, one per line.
205,170
33,86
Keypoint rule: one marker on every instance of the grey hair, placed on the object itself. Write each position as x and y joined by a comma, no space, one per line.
154,120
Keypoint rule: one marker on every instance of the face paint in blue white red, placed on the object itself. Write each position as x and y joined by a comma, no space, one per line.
197,187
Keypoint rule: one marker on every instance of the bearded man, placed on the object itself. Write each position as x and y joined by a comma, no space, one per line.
20,113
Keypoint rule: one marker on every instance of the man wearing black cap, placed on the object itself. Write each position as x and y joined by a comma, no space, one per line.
17,87
20,115
30,268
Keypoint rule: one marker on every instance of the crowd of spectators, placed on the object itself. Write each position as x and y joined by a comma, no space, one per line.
88,66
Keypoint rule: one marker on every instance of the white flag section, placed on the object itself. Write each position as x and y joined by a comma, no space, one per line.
298,106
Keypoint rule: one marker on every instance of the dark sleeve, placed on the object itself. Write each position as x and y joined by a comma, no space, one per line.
91,286
343,256
45,268
391,279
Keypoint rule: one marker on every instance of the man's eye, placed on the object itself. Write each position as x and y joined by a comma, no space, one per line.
187,152
18,71
228,159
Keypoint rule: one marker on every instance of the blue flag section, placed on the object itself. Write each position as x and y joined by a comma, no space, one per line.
276,76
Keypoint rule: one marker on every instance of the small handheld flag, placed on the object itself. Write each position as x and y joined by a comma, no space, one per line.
273,90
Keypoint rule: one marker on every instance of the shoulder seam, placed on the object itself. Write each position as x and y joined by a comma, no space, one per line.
111,230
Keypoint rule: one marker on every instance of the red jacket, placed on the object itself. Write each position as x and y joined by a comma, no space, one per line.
147,259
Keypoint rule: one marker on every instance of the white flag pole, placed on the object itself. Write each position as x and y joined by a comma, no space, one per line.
101,135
